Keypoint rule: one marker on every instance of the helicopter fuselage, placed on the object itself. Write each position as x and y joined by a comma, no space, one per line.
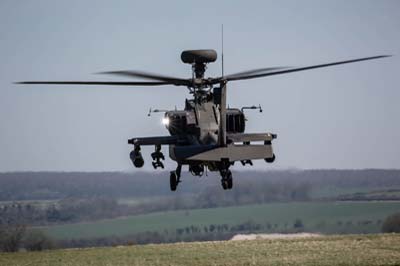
198,124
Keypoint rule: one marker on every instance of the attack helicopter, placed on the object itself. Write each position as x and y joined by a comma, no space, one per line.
205,135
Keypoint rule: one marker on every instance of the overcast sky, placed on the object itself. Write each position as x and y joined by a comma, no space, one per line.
340,117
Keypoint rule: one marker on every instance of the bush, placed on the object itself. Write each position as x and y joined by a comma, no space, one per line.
298,224
392,224
37,241
11,237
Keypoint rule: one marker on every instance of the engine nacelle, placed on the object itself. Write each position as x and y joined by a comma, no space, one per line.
235,121
136,158
184,122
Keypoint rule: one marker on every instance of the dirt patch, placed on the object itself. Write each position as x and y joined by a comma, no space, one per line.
273,236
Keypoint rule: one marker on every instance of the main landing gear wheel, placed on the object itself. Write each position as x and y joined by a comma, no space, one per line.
175,178
227,180
173,181
230,181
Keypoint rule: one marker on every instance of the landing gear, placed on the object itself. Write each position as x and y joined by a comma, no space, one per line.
227,180
270,160
175,178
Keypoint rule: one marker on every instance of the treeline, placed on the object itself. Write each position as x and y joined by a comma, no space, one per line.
381,195
213,232
67,210
189,233
59,185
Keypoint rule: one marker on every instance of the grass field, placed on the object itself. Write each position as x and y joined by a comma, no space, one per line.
325,217
333,250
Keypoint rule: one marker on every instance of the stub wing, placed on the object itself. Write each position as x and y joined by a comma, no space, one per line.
159,140
249,137
233,151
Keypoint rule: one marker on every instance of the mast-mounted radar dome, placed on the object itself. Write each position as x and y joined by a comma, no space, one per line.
199,56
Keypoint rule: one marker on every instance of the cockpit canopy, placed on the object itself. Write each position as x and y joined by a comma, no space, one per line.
177,122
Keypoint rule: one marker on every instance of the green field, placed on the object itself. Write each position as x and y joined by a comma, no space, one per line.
325,217
333,250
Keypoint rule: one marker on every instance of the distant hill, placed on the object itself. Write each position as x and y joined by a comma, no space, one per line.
312,183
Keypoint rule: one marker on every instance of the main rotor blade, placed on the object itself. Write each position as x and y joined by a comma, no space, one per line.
252,76
146,75
112,83
253,71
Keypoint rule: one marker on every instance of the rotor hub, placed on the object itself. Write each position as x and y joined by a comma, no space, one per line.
199,69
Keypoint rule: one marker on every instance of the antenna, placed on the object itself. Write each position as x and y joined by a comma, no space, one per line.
222,48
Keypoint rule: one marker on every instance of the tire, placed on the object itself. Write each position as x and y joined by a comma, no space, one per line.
224,184
229,179
173,181
270,160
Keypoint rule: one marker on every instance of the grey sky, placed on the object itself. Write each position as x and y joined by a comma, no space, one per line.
340,117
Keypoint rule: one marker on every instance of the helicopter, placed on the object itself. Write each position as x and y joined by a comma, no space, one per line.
206,135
